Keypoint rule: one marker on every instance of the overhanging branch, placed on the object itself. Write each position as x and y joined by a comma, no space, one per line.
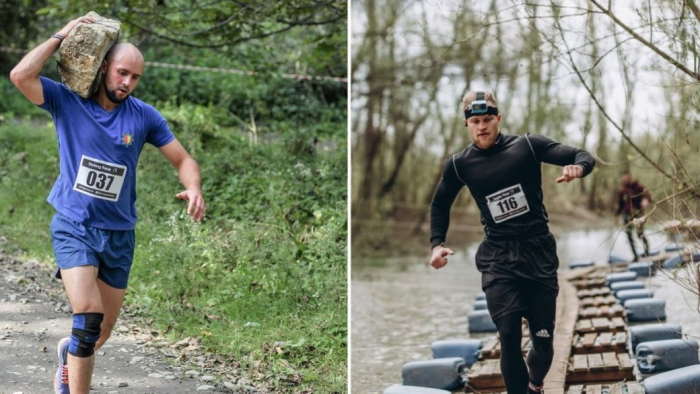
646,43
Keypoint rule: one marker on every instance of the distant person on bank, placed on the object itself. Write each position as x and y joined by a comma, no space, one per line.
632,199
99,142
518,257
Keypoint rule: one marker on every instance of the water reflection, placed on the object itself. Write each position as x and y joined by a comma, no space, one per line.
401,305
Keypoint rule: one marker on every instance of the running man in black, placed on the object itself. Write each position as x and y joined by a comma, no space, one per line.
517,258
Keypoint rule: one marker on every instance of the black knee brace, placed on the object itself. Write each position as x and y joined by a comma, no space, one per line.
86,332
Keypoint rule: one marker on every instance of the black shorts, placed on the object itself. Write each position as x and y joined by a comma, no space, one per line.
520,276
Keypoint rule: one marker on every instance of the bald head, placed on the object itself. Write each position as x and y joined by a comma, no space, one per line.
122,69
124,49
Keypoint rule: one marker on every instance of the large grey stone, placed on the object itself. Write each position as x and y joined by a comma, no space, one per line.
83,51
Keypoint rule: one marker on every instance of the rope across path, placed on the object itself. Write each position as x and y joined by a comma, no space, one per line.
301,77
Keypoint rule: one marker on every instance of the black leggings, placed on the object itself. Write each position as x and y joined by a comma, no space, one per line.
513,367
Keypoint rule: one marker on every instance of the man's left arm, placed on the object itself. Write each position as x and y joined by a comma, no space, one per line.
190,176
577,162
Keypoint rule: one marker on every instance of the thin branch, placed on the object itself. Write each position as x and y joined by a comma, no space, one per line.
312,23
694,8
610,50
648,44
192,45
643,219
605,113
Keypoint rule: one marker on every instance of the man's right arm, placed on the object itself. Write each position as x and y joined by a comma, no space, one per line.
445,195
25,75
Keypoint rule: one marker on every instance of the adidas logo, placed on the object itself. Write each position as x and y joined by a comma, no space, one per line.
542,333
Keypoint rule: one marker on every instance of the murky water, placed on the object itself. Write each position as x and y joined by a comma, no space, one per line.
400,306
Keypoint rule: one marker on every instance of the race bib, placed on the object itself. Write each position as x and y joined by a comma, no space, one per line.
99,179
507,203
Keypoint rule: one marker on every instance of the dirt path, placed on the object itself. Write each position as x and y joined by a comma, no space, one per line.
34,315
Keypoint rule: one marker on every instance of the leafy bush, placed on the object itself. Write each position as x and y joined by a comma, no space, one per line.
15,105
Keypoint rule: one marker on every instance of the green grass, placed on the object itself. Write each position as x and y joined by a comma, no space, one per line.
262,282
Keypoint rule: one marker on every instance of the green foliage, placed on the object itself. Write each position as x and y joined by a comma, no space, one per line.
275,102
14,104
262,282
19,26
28,168
315,29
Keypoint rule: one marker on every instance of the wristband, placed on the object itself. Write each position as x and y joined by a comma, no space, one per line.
57,36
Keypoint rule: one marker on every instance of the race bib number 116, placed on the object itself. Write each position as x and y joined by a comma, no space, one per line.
99,179
507,203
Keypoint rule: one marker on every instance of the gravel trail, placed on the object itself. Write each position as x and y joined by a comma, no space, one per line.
35,315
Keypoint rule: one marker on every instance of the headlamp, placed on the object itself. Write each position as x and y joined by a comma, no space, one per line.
480,107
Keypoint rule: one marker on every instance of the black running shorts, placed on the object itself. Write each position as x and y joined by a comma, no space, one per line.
520,275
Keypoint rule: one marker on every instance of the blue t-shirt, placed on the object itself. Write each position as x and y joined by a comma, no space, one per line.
98,152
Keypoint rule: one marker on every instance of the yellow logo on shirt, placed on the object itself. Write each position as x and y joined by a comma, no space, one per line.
127,139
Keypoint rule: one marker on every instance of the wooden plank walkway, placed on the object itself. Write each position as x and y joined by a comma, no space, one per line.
600,324
600,342
600,367
492,348
485,376
588,283
597,301
590,343
610,388
602,311
567,312
594,292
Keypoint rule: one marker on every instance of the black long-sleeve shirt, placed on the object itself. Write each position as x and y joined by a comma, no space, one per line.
505,180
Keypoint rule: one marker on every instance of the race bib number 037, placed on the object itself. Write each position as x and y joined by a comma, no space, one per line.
99,179
507,203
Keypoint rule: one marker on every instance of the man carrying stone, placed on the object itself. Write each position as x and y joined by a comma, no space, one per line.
100,139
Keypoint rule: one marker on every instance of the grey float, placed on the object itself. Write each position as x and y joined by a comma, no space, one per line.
653,332
439,373
673,262
466,349
399,389
480,321
645,309
620,277
581,263
613,259
667,354
480,305
642,268
624,295
653,252
626,285
679,381
481,296
673,247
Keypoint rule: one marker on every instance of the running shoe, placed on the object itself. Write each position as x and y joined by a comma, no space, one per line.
60,383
